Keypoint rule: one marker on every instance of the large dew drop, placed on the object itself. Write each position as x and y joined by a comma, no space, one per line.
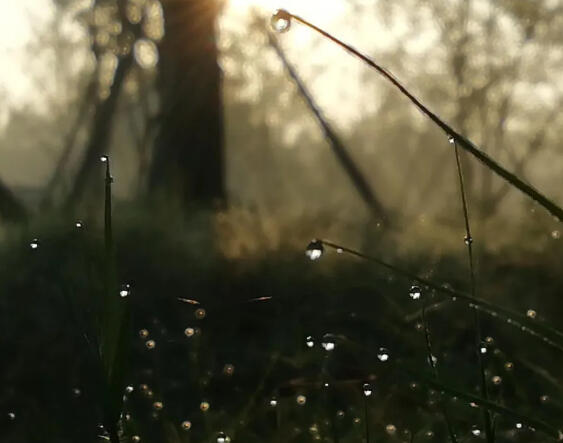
314,250
281,20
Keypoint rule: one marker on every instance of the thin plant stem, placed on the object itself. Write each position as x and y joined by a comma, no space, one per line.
366,417
465,143
476,319
513,318
432,364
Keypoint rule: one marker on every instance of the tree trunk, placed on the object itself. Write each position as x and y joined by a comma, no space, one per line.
188,158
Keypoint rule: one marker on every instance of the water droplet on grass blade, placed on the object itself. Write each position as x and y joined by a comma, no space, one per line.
415,292
314,250
157,405
104,158
281,20
451,139
136,438
367,389
186,425
228,369
468,240
125,290
204,406
11,416
189,332
34,244
475,431
383,354
328,342
497,380
530,313
150,344
222,438
309,341
556,235
78,224
301,400
273,402
143,333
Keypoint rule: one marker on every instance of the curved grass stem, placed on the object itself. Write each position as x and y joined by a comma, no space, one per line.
515,319
465,143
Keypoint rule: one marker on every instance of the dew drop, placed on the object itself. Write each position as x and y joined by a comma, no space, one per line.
483,349
222,438
186,425
475,431
314,250
78,224
189,332
339,250
468,240
34,244
200,313
451,139
204,406
281,20
415,292
530,313
11,416
228,369
556,235
144,333
310,342
509,366
76,392
390,429
157,405
328,343
497,380
150,344
104,158
125,290
136,438
301,400
544,398
383,354
273,402
432,360
367,389
129,389
518,425
340,413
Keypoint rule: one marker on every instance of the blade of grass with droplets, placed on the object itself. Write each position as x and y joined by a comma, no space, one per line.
489,433
114,334
535,329
465,143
